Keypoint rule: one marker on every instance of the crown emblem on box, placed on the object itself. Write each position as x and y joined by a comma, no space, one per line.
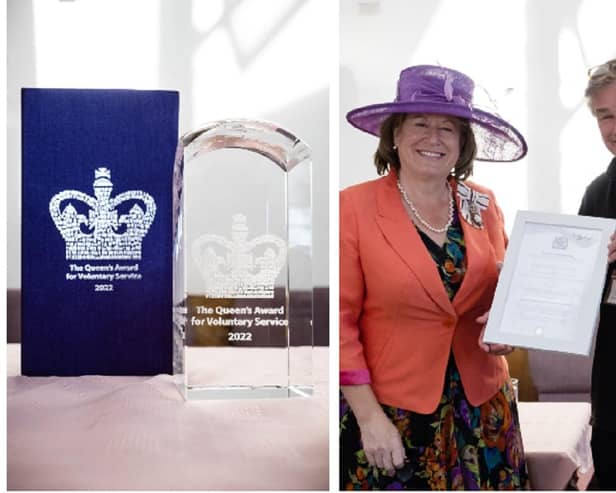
239,268
105,232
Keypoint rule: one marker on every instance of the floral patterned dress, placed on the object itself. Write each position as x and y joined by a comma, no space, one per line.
458,446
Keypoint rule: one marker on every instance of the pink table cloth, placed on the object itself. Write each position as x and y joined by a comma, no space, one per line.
556,437
135,433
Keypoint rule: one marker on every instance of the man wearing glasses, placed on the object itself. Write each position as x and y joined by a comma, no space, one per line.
600,200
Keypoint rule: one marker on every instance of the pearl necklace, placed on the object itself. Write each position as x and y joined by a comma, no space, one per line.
418,215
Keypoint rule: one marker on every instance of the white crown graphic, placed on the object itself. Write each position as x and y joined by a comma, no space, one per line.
103,233
239,268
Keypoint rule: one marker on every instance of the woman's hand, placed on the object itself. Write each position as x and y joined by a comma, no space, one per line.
382,442
611,249
495,349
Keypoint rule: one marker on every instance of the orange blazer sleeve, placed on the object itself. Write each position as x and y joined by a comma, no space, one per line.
353,367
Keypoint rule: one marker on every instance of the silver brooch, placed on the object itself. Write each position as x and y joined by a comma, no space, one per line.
471,205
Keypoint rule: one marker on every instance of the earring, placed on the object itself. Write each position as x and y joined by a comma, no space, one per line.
395,147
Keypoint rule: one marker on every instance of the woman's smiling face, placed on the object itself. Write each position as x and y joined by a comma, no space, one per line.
428,145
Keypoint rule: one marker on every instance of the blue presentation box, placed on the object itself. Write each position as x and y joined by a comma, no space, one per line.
97,170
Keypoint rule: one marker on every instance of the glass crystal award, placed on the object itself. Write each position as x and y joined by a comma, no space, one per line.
242,262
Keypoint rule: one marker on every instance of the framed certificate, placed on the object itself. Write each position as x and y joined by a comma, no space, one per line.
550,287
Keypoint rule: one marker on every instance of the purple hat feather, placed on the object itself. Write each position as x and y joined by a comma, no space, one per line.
439,90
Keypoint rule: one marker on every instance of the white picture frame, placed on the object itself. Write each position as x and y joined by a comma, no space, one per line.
549,289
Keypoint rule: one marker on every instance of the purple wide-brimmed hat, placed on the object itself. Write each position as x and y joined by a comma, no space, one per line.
439,90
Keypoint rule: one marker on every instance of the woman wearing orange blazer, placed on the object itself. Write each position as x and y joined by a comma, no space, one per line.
426,404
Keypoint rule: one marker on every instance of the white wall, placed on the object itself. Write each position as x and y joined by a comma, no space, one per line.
228,58
272,59
530,56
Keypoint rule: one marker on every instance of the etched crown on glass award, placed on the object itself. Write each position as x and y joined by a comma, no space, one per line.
242,262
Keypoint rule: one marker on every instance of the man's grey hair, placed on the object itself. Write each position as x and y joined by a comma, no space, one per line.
601,76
